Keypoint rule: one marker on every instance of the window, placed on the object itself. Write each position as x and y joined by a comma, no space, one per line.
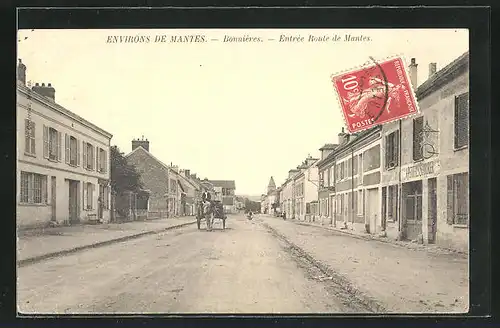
29,140
72,154
355,165
342,171
88,196
360,202
308,208
418,127
371,158
458,199
332,176
392,150
104,195
321,180
392,203
88,156
102,160
52,144
461,120
33,188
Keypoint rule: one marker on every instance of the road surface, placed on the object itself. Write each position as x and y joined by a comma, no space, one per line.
243,269
262,266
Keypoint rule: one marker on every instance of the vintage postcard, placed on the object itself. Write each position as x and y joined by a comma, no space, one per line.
238,171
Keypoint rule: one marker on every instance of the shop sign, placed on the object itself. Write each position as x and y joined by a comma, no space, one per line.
420,170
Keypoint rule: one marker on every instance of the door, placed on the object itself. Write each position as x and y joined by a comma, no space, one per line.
73,201
432,211
372,205
53,193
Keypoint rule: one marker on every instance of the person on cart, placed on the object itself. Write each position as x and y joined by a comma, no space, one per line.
206,200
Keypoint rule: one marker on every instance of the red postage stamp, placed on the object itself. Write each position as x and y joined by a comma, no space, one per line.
375,94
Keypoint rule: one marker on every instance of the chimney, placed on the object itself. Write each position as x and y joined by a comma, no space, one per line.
343,137
432,69
291,173
21,72
413,73
187,173
46,91
194,176
144,143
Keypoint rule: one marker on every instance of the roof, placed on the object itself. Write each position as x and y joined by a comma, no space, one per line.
229,184
271,183
441,77
139,148
60,109
328,146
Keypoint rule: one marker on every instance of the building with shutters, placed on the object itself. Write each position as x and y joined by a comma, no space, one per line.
425,181
63,167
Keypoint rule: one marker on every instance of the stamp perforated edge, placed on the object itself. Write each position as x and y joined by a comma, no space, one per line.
368,64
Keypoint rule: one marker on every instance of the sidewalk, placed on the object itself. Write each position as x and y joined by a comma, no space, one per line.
393,279
36,245
363,235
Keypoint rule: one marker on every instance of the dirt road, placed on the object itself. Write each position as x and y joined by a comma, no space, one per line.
243,269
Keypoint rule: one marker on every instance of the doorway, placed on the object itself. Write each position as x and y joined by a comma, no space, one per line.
73,201
412,209
432,210
53,198
372,206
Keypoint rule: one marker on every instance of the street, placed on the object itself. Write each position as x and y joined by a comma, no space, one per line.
262,266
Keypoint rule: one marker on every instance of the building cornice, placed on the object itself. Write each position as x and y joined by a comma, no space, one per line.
60,109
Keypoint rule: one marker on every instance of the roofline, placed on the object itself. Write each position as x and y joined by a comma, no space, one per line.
459,65
170,170
61,110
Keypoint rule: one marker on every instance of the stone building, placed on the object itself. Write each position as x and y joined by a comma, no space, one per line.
161,180
357,181
326,184
426,163
63,165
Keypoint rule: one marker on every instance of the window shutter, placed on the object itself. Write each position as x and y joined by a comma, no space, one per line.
450,200
105,162
59,146
27,135
84,164
77,153
66,153
45,141
97,156
92,188
84,194
32,136
396,148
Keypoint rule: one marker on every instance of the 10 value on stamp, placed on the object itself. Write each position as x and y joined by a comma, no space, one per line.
377,93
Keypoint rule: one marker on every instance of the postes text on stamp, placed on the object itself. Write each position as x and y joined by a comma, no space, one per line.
377,93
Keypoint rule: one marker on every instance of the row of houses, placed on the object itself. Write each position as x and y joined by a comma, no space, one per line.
406,180
63,168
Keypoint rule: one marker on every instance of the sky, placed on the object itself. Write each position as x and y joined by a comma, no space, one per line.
227,111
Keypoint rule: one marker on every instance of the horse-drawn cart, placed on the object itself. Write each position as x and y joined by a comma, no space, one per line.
211,211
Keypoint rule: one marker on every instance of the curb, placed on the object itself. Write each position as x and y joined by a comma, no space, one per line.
39,258
386,241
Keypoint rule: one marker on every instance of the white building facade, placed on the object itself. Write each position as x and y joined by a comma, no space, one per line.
63,165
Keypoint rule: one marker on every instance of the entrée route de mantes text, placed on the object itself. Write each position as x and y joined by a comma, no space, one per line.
198,38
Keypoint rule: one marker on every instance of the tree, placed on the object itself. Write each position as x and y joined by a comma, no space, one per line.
124,176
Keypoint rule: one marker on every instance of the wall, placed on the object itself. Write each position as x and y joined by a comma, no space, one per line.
154,177
437,108
43,114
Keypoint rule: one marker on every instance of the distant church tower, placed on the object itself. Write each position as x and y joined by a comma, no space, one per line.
271,186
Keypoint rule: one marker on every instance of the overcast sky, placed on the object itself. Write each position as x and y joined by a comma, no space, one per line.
227,111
